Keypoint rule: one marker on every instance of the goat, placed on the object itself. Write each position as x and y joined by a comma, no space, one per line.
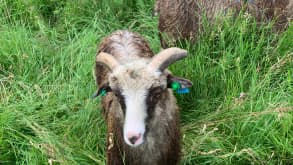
183,19
268,10
139,108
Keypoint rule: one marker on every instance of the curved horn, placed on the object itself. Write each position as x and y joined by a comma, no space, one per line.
107,60
167,57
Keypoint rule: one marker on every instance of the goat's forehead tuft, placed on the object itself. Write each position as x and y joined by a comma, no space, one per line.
136,77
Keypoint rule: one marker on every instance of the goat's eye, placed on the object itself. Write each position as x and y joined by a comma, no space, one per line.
155,94
117,93
120,99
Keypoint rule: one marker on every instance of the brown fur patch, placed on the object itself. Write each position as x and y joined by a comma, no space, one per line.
184,19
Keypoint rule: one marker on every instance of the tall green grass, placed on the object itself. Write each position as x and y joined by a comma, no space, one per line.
239,110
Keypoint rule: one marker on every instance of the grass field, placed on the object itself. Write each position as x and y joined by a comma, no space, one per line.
239,111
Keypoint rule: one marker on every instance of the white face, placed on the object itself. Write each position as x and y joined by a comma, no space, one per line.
131,86
135,115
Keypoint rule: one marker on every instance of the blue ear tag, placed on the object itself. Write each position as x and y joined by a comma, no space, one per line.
182,91
177,88
103,93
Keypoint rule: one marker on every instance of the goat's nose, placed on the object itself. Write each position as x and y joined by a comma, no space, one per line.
133,138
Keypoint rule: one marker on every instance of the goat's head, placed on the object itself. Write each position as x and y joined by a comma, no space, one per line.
138,86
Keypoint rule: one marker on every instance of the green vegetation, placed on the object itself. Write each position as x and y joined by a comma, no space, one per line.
239,111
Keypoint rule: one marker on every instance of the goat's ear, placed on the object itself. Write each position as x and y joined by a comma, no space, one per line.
102,90
184,83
